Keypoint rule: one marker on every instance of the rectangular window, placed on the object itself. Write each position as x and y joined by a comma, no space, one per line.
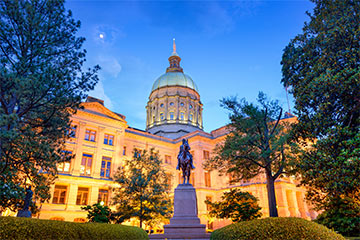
162,116
190,117
171,115
73,131
168,159
90,135
207,179
64,167
192,178
105,167
124,150
210,225
82,196
206,155
103,196
86,162
209,198
168,178
59,194
108,139
182,116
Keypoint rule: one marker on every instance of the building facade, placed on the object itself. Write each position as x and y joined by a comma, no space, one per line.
102,140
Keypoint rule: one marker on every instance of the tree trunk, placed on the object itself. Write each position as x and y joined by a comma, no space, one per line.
270,185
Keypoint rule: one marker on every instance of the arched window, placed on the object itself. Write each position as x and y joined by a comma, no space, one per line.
190,117
162,117
182,116
171,115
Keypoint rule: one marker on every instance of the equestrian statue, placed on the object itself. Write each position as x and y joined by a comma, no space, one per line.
185,161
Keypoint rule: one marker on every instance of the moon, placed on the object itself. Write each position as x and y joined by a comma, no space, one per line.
101,35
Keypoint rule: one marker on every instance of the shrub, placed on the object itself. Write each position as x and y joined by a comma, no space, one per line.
98,213
27,228
275,228
342,215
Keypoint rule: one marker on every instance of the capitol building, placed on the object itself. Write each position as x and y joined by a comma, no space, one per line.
101,141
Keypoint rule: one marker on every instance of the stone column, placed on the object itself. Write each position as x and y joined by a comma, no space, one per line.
96,165
79,148
71,201
94,194
281,201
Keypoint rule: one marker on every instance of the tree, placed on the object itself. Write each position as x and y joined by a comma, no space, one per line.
143,191
98,213
322,68
41,84
237,205
258,142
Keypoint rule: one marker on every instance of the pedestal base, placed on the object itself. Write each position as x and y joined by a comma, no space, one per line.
185,223
24,213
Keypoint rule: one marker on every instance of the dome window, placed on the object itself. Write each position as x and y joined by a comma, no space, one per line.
190,116
182,116
190,106
162,105
171,104
171,115
162,116
182,104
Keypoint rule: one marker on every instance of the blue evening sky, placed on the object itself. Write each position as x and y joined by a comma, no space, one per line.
229,48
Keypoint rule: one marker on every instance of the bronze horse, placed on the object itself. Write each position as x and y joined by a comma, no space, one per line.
185,161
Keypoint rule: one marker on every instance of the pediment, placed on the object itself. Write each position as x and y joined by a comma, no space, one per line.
100,110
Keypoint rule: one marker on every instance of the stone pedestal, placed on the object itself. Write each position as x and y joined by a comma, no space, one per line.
185,223
24,213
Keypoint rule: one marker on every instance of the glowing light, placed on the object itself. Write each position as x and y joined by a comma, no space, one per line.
102,203
101,35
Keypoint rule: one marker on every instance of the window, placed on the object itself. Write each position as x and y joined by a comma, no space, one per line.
103,196
124,150
64,167
82,196
108,139
207,179
206,155
210,225
162,116
190,117
86,162
171,115
182,104
59,194
190,106
73,131
168,159
90,135
162,105
192,178
105,167
208,198
168,179
171,104
182,116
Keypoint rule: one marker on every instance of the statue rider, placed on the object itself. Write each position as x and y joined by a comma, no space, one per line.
187,152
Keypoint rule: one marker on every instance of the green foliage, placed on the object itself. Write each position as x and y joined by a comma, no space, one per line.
342,214
98,213
275,229
143,191
237,205
259,142
25,228
41,85
322,67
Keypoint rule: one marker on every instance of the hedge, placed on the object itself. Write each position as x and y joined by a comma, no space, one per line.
27,228
275,228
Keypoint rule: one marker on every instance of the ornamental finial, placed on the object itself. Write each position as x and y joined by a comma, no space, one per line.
174,46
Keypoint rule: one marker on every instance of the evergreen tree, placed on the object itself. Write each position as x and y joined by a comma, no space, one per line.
144,189
322,67
98,213
41,85
258,143
236,205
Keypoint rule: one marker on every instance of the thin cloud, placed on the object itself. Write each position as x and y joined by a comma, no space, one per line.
99,92
109,65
